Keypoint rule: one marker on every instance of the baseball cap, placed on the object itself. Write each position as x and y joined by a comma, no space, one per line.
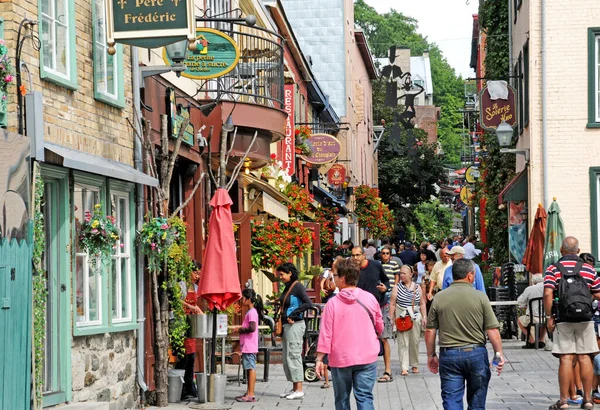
407,244
456,249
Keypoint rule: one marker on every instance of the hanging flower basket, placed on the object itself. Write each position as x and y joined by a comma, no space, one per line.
155,238
7,73
98,235
303,145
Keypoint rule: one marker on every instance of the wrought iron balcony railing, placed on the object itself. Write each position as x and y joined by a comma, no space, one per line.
258,76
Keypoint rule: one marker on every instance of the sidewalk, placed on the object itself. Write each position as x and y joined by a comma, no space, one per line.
529,381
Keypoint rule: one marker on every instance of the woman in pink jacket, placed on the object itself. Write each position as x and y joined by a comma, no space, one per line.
350,325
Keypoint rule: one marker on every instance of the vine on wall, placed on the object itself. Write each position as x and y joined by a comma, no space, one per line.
496,169
39,290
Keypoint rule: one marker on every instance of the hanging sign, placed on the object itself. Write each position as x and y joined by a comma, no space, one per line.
288,145
148,23
336,175
493,110
177,113
213,55
326,148
472,174
466,195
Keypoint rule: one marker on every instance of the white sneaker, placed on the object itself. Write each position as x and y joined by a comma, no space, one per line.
286,393
295,395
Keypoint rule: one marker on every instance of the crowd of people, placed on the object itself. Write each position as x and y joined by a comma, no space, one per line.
396,291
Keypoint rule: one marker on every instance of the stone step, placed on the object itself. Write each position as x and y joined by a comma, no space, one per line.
88,405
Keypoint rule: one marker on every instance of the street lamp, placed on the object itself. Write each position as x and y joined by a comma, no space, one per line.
177,53
504,133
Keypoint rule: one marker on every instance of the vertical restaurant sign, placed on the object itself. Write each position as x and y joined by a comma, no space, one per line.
212,54
177,114
149,23
288,146
336,174
492,112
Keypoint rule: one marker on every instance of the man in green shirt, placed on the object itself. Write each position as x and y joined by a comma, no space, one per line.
463,316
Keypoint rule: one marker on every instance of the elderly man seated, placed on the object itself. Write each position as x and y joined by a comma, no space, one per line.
536,290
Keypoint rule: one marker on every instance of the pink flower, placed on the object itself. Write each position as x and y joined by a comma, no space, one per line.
94,231
164,226
122,245
153,246
8,78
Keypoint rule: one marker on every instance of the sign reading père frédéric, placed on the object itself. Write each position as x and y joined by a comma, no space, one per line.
149,23
213,55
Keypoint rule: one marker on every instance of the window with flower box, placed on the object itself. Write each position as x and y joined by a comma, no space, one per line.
58,60
3,97
104,291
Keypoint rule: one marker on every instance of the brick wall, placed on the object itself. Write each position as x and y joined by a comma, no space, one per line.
73,118
572,148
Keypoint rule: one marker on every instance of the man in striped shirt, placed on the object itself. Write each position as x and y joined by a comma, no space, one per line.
571,339
392,269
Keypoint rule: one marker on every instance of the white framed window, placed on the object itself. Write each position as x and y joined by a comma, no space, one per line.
108,69
89,295
57,53
121,302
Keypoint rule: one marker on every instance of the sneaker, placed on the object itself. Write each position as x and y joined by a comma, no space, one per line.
295,395
286,393
576,401
596,397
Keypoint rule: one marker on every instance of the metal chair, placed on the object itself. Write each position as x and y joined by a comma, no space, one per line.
266,349
537,322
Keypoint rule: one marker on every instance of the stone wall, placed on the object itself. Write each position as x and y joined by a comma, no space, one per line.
104,369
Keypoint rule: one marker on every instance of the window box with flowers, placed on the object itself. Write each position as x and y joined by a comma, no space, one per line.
6,77
299,200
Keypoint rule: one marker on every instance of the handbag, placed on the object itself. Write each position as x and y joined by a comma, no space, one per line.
374,328
405,323
279,322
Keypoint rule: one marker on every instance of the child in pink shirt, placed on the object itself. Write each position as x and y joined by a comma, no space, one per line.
249,340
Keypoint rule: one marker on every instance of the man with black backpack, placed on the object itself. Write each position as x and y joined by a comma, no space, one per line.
569,286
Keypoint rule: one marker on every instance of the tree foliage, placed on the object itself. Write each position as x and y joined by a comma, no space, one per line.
432,221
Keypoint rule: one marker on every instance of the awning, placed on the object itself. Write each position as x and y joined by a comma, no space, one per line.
516,189
272,198
83,161
321,193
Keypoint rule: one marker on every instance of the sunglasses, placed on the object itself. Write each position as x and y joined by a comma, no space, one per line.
355,255
385,253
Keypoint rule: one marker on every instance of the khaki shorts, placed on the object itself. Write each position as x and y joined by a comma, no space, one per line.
574,338
524,320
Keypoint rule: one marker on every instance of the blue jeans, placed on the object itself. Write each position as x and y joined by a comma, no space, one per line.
361,378
458,367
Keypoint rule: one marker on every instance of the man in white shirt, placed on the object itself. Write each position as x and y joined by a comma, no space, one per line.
437,273
536,290
470,251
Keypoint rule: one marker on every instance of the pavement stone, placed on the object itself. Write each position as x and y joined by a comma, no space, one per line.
529,381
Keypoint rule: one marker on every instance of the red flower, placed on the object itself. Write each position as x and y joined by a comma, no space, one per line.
273,156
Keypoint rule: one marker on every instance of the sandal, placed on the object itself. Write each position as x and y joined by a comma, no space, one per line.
325,385
415,370
404,373
559,405
587,404
386,378
246,399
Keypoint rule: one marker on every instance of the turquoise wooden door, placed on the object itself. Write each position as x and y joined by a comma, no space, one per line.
15,323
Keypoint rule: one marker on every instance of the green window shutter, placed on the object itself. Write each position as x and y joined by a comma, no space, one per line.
593,72
3,109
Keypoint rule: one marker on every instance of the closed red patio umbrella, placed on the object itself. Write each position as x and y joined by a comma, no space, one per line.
534,254
219,282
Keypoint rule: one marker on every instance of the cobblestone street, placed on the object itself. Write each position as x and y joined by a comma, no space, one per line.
529,381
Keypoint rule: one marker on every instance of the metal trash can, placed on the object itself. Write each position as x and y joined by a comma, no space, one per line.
216,392
175,385
201,385
200,326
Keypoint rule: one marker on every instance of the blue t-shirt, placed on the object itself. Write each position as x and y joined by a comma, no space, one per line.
478,284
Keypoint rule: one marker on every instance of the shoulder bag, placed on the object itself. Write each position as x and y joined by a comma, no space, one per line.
405,323
329,285
374,328
279,323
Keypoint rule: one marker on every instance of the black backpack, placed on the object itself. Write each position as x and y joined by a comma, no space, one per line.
574,295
